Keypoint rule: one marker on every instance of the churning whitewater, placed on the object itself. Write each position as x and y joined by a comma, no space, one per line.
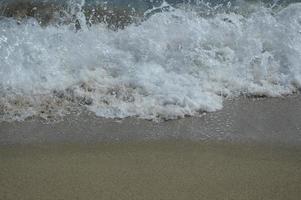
170,64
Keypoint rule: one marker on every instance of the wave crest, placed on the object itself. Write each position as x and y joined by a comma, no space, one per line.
175,63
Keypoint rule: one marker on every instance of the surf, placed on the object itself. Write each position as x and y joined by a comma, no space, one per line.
164,62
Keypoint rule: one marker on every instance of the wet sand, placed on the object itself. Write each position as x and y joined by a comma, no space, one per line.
150,170
245,120
249,150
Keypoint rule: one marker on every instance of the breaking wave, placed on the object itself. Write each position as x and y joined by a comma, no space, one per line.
170,62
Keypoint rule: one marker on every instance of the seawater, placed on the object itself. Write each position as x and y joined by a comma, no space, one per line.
159,60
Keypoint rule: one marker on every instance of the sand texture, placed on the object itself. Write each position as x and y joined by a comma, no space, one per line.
152,170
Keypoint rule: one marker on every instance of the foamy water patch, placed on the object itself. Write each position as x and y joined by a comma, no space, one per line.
174,64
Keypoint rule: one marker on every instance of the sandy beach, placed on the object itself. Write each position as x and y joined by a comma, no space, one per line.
244,120
161,100
249,150
150,170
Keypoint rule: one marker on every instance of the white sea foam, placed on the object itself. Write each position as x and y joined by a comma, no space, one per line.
173,64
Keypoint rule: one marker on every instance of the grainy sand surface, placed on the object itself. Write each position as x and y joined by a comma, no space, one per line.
249,150
264,120
150,170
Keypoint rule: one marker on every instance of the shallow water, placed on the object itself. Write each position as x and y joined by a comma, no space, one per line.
169,61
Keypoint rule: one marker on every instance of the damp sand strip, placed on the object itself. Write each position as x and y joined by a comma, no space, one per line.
258,156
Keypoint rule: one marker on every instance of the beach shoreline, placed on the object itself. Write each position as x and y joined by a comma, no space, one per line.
249,150
150,100
243,120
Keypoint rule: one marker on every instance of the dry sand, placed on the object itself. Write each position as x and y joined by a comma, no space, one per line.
258,156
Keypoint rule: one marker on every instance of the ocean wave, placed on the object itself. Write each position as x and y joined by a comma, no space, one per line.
175,62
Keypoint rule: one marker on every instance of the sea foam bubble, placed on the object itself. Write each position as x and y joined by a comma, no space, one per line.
174,63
